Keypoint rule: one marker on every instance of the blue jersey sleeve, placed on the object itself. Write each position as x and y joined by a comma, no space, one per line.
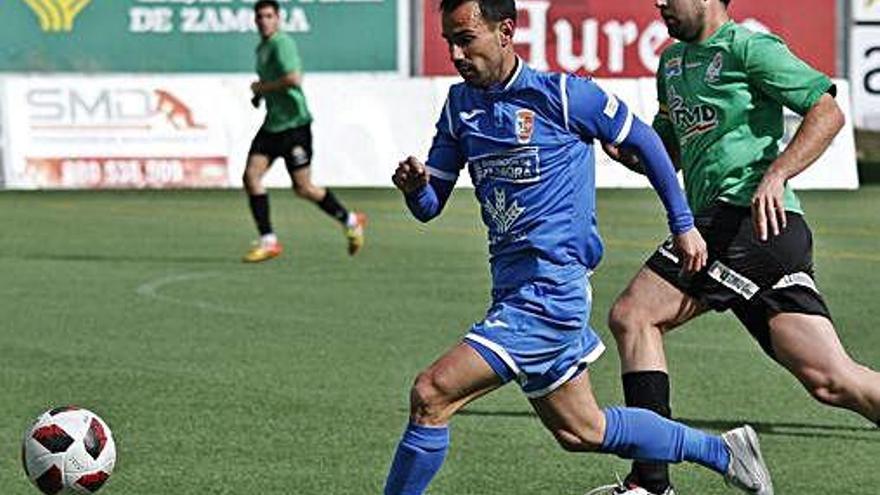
445,159
593,113
661,173
427,202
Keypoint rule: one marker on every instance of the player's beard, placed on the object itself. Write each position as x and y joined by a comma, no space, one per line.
685,24
469,73
683,31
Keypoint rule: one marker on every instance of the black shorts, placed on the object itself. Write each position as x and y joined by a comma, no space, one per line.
754,279
294,145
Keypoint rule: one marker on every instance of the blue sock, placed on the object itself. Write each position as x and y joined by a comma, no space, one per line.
643,435
419,456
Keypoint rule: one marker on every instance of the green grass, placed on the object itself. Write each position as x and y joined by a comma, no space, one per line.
292,377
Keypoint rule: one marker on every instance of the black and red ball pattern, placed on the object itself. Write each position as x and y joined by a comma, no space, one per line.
93,481
56,440
95,439
53,437
50,481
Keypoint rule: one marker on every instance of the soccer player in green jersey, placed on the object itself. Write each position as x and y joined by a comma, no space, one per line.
286,133
721,90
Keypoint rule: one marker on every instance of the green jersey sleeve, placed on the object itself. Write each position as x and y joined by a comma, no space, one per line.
288,56
781,75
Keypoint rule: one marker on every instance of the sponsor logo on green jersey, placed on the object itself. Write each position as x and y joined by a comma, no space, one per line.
690,120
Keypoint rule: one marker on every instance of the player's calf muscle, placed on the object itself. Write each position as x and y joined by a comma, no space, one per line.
851,386
582,440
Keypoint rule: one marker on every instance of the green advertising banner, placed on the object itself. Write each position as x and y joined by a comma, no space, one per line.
190,35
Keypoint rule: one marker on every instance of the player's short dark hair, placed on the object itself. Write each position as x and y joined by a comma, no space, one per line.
725,2
262,4
492,10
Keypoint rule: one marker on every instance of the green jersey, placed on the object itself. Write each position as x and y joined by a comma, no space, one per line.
285,109
721,101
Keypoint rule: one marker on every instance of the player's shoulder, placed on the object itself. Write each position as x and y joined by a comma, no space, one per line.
457,92
743,38
282,39
555,83
543,77
460,96
741,32
539,85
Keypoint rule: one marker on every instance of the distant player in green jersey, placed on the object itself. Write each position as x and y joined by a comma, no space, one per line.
286,133
722,90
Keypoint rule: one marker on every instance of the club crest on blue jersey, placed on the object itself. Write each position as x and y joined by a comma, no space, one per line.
525,125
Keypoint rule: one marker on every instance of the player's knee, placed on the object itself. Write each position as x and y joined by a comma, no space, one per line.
301,190
625,318
305,191
429,399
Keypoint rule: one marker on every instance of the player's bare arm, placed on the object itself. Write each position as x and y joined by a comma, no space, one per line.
821,123
289,80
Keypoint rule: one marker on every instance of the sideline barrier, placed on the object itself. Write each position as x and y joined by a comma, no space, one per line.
186,131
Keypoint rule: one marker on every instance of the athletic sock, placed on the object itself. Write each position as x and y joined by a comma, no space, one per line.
259,204
419,456
648,390
641,434
331,206
352,220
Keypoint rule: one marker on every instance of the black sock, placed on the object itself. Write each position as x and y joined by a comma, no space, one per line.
648,390
333,207
260,211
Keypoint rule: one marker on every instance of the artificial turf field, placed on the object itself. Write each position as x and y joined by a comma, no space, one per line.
292,377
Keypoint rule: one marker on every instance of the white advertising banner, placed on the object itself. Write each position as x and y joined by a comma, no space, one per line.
865,75
115,132
363,125
837,168
866,10
195,131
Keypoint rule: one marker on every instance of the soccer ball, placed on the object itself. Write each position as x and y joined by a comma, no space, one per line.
68,450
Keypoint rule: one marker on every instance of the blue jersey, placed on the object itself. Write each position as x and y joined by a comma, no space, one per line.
528,146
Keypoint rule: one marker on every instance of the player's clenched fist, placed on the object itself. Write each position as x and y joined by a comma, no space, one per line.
411,175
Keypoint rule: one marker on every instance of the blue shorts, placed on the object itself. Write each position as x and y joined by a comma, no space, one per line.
538,333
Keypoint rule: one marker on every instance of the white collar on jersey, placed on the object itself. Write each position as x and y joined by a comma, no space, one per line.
516,72
497,88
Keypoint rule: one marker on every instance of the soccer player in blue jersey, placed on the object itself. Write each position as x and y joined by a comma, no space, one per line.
527,138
